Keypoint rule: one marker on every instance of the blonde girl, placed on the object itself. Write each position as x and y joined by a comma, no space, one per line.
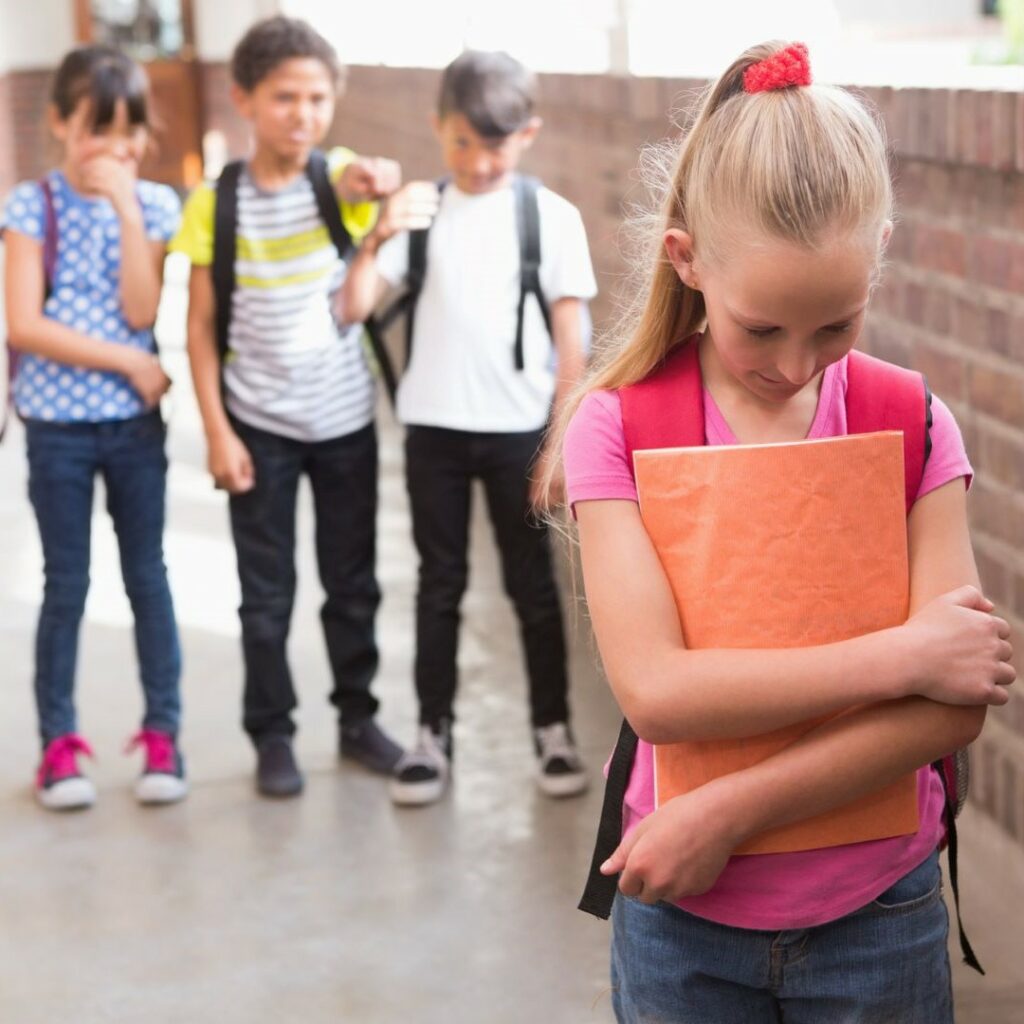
772,234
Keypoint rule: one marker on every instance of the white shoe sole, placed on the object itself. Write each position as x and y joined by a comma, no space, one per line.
69,795
562,785
160,789
417,794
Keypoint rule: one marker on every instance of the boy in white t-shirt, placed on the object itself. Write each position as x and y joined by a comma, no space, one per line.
476,401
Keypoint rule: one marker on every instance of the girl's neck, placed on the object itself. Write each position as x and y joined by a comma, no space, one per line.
751,419
271,172
73,178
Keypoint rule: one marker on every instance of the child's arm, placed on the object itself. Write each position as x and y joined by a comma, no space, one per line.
142,260
30,331
567,335
951,649
409,209
228,459
681,849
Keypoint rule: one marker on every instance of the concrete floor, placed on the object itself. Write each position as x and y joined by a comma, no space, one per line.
336,907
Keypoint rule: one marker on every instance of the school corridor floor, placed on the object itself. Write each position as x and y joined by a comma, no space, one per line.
336,907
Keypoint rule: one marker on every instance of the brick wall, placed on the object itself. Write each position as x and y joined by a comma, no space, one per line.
952,303
27,150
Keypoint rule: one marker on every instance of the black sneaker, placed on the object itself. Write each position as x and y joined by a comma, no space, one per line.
421,775
559,768
277,774
369,745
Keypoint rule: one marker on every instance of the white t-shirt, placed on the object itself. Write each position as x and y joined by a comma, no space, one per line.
462,374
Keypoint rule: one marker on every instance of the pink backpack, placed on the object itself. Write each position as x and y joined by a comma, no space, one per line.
666,410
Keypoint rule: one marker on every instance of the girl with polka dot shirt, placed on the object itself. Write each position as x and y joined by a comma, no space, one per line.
84,269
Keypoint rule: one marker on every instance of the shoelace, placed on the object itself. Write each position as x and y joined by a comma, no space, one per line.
427,752
160,755
59,758
554,742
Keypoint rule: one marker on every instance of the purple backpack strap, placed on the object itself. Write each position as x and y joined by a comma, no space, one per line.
49,235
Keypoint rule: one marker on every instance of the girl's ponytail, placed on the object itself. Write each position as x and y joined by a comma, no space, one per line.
768,156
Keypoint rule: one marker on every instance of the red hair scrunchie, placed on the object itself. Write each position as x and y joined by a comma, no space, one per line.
791,66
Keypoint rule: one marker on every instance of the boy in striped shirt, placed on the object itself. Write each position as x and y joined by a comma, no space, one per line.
294,394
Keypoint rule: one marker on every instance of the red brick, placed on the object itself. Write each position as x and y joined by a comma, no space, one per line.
940,249
1000,457
1000,395
997,262
946,374
996,579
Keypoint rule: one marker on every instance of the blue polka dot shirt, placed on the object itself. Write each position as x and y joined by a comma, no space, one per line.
85,296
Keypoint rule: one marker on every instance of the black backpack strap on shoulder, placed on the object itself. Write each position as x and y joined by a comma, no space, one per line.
327,205
405,304
970,958
528,226
414,278
225,239
319,176
599,892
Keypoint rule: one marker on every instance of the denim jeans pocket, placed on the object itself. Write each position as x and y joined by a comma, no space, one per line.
918,888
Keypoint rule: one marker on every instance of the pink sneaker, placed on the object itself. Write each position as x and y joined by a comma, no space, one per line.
163,776
60,786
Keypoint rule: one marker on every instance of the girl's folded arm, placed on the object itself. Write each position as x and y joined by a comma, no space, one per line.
30,331
670,693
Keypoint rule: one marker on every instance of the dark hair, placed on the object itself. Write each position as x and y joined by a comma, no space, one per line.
275,40
493,91
105,77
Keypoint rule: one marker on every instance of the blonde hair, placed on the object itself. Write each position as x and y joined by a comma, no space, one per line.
793,164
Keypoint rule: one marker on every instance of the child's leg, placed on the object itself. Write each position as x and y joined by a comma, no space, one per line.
263,527
885,962
527,570
668,965
62,463
135,474
343,475
438,476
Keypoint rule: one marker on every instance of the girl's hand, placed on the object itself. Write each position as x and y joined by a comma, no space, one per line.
679,850
961,651
147,376
230,464
411,208
369,178
113,179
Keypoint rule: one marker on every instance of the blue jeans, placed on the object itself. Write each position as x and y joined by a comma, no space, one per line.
883,964
63,461
343,477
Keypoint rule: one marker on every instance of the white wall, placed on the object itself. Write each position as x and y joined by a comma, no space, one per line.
35,34
221,23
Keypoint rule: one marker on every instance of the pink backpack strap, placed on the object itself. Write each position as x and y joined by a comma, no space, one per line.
666,408
880,396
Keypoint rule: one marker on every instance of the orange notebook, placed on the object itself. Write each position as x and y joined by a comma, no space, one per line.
781,545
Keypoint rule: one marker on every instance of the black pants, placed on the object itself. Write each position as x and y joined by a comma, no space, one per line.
343,475
440,468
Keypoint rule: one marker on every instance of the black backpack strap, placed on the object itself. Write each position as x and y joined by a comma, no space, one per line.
528,226
599,892
327,204
225,241
319,176
414,279
405,304
970,958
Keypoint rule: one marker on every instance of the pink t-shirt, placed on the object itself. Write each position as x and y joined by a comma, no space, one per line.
782,890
